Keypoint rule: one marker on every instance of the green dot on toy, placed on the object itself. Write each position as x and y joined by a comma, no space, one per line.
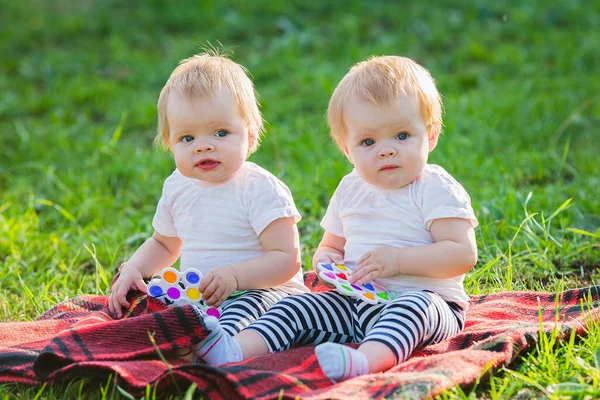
383,295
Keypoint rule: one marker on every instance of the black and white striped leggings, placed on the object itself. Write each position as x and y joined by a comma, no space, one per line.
240,311
414,319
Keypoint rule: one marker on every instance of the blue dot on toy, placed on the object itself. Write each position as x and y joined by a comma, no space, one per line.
327,267
156,291
192,277
176,289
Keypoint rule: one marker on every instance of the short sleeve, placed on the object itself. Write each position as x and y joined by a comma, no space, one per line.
270,199
163,218
444,197
332,222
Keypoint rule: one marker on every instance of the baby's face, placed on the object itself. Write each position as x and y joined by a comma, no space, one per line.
208,136
388,144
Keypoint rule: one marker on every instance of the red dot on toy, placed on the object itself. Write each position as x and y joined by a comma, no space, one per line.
342,276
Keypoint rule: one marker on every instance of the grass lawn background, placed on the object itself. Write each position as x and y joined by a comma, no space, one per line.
80,178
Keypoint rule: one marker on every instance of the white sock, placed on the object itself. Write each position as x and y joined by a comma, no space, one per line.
218,347
340,362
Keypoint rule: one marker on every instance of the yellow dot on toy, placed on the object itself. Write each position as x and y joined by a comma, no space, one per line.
369,296
341,267
193,294
170,277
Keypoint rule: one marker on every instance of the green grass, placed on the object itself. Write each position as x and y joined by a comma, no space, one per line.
79,177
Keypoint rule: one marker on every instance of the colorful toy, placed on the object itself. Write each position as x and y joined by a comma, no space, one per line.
175,288
339,275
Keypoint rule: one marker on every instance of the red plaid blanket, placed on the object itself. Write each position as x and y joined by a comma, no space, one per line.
78,339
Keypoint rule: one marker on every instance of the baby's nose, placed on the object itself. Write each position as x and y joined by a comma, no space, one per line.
204,147
387,152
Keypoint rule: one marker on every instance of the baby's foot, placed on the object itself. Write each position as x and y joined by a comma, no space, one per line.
340,362
218,347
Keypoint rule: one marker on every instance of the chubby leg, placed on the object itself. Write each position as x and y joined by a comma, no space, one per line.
301,319
240,311
221,348
237,313
252,344
379,356
415,319
309,318
340,362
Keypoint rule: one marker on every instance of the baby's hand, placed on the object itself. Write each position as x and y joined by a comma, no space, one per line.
381,262
129,278
217,286
329,258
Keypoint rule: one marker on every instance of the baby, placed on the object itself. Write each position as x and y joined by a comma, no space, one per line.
226,217
395,219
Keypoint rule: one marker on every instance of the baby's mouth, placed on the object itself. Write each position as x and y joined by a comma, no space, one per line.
207,164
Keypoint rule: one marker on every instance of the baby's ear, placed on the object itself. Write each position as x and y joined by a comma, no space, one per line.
344,148
251,140
433,135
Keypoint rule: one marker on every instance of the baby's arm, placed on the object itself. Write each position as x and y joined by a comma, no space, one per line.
279,263
148,260
331,249
453,253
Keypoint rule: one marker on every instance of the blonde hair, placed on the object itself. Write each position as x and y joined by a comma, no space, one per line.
382,80
202,75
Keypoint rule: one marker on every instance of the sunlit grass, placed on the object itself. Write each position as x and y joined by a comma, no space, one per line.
79,177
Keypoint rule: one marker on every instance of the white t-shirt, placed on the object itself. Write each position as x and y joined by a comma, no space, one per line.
220,224
368,217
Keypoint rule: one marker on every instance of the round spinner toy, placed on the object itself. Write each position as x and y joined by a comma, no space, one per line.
175,288
339,275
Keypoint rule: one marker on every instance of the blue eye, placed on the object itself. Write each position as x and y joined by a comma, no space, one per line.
402,136
221,133
368,142
187,138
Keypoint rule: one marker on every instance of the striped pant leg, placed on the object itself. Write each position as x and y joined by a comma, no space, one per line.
309,318
239,312
415,319
366,315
